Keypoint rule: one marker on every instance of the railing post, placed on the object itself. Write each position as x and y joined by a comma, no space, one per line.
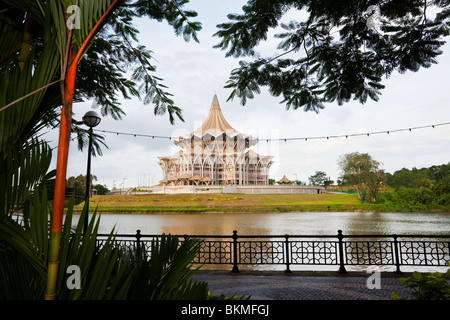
341,253
138,243
235,252
397,255
288,270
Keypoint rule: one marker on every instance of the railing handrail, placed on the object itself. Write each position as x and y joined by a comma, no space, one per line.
306,236
290,249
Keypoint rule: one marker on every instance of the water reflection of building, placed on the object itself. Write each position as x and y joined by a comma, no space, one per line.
215,154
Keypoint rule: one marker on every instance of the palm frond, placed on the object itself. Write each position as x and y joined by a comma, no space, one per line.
22,169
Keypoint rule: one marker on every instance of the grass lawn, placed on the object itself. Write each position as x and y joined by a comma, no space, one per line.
226,203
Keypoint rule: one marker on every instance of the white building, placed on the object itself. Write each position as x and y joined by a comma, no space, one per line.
215,154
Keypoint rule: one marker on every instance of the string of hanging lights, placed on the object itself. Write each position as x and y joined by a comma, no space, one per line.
306,138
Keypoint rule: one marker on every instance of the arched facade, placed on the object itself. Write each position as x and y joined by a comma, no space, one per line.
215,154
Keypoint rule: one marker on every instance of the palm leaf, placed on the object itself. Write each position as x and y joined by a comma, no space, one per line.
16,84
21,170
24,250
10,33
164,273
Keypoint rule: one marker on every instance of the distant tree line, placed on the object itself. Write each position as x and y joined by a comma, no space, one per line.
416,178
418,189
405,189
77,185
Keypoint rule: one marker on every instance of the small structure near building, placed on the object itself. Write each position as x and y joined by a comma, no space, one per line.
285,180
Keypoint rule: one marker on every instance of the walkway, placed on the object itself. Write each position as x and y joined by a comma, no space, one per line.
302,285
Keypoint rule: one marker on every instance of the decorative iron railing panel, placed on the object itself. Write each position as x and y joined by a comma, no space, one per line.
342,250
314,252
369,253
214,252
261,252
424,253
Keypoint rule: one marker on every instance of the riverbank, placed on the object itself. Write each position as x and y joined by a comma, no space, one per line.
193,203
196,203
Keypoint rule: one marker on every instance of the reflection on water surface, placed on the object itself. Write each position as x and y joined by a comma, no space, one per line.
309,223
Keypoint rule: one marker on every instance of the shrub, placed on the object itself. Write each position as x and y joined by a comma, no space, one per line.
431,286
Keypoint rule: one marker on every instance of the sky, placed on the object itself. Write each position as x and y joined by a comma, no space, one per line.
194,72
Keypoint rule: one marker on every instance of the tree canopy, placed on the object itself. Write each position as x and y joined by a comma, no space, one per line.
320,178
416,178
340,50
363,172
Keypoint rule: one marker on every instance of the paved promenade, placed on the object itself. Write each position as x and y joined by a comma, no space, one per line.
302,285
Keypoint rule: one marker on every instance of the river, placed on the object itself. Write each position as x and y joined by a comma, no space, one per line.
293,223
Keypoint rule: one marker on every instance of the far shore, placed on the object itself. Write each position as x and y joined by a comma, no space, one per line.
230,203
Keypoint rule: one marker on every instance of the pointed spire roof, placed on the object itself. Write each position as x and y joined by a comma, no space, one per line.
215,125
215,122
284,180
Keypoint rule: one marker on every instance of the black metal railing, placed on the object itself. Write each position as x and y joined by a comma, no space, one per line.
288,250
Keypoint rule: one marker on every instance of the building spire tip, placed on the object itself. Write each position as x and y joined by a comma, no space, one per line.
215,100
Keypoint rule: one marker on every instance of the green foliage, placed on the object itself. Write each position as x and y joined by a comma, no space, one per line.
423,177
333,53
418,189
101,189
21,170
78,186
362,172
318,179
431,286
409,199
164,273
26,117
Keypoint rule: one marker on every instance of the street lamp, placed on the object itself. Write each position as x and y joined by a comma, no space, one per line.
91,119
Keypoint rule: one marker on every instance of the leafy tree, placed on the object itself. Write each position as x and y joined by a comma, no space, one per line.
101,189
416,178
318,179
336,52
363,172
418,189
77,185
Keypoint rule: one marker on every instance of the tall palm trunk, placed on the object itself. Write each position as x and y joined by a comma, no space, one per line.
60,183
67,88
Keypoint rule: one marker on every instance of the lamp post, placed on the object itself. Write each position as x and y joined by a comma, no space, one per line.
91,119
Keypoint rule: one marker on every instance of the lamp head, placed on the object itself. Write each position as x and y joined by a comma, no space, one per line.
91,119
